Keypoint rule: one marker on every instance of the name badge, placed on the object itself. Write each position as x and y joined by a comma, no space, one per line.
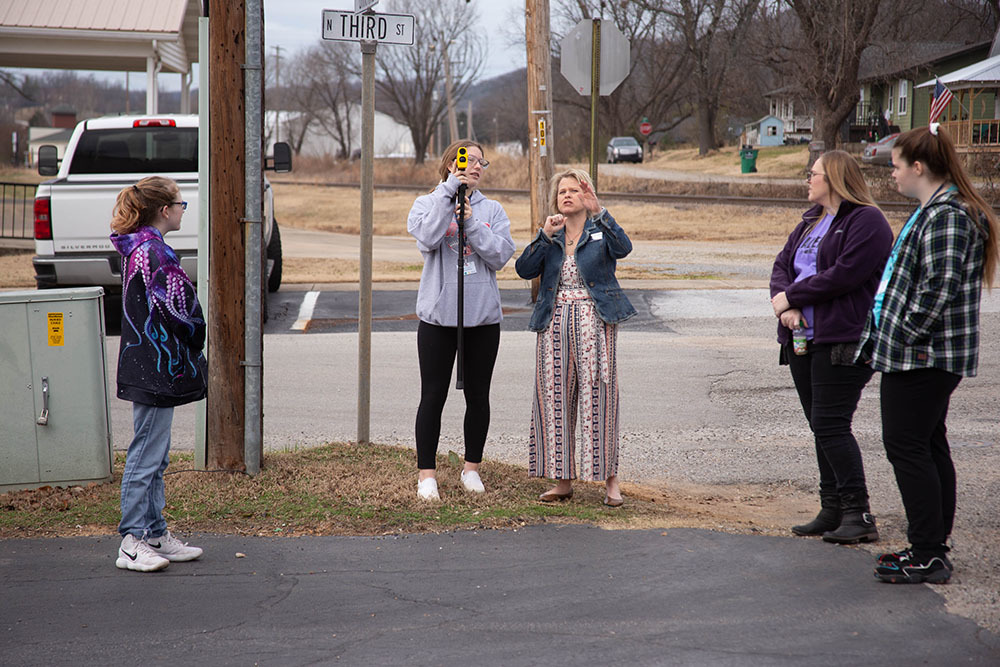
597,236
470,267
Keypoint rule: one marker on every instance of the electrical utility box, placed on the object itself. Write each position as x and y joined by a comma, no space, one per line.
55,428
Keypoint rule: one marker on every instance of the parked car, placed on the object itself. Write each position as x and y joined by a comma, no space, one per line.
73,210
624,148
880,152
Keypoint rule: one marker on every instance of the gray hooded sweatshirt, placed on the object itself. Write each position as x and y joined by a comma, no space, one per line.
488,246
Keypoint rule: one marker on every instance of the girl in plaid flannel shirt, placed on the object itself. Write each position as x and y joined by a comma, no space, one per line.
923,335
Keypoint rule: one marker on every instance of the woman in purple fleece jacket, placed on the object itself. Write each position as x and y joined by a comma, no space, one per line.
160,364
824,281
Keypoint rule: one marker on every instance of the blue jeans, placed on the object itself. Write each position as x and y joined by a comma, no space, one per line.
142,481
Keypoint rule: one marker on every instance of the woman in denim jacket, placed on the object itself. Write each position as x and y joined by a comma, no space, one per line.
579,305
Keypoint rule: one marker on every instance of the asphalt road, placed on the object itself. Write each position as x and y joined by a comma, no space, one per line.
552,595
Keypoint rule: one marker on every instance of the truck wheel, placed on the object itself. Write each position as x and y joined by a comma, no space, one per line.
274,253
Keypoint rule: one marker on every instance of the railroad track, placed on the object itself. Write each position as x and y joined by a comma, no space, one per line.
655,197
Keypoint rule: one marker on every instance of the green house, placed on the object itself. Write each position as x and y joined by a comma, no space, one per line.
889,76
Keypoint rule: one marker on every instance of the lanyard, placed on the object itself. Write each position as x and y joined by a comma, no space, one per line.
890,263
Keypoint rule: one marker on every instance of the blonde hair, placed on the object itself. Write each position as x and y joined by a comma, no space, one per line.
451,153
137,205
579,175
937,153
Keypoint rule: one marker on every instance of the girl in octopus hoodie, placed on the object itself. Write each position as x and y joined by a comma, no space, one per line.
160,363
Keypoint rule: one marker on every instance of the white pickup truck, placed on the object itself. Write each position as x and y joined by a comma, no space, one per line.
104,155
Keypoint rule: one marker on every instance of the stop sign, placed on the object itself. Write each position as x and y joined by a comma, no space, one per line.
645,128
576,50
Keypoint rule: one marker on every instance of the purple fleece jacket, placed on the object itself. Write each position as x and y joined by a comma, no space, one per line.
849,265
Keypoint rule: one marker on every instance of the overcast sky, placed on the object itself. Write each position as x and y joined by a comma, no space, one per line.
293,24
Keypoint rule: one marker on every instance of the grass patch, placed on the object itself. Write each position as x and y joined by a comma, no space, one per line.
336,489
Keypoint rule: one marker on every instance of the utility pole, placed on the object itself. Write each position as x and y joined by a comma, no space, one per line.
277,88
226,393
540,158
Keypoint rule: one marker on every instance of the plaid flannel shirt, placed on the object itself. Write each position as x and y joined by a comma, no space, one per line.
930,314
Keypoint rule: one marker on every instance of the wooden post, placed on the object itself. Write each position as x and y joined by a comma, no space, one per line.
540,156
225,415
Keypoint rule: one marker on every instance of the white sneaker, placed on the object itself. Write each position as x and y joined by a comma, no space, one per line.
427,489
472,481
169,547
134,554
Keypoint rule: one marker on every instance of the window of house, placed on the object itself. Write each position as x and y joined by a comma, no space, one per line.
888,105
772,130
904,89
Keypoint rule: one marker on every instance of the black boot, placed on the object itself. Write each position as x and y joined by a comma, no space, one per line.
827,519
856,524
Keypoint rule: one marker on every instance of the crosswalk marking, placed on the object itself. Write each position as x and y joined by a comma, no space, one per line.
305,311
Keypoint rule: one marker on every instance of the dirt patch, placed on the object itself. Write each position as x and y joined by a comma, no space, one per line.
16,270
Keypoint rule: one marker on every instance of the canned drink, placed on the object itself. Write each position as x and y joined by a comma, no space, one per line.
799,344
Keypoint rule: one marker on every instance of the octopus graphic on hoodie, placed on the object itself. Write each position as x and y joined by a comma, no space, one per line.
160,361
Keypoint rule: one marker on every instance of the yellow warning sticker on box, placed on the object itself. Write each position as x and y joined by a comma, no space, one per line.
56,331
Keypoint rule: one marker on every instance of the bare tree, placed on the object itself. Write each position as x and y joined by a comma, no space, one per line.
819,45
327,90
410,78
714,33
657,76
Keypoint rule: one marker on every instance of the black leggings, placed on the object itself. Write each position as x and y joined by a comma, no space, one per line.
914,410
436,349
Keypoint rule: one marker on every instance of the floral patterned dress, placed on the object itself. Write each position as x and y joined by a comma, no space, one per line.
575,378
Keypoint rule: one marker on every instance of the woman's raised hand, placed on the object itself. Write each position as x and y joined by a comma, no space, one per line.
588,198
553,224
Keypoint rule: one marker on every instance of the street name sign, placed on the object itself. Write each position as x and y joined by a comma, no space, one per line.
363,5
380,28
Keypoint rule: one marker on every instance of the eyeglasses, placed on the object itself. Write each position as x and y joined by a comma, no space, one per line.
180,203
810,174
482,163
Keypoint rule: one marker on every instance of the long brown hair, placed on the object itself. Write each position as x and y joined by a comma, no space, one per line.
844,177
451,153
936,152
137,204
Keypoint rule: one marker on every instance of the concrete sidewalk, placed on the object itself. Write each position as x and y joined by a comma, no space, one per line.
552,595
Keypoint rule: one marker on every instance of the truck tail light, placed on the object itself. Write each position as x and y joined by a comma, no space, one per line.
155,122
43,219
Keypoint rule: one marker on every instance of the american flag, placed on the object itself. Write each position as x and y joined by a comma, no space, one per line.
942,96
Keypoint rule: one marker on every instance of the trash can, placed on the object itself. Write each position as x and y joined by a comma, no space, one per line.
53,389
748,160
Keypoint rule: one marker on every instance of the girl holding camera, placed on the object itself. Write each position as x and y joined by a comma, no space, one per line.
433,222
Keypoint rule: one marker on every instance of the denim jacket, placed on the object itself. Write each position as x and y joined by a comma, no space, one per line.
601,244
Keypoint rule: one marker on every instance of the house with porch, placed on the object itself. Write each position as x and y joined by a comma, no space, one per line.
892,97
972,117
791,104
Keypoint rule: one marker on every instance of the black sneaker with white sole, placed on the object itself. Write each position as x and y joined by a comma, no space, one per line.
906,567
